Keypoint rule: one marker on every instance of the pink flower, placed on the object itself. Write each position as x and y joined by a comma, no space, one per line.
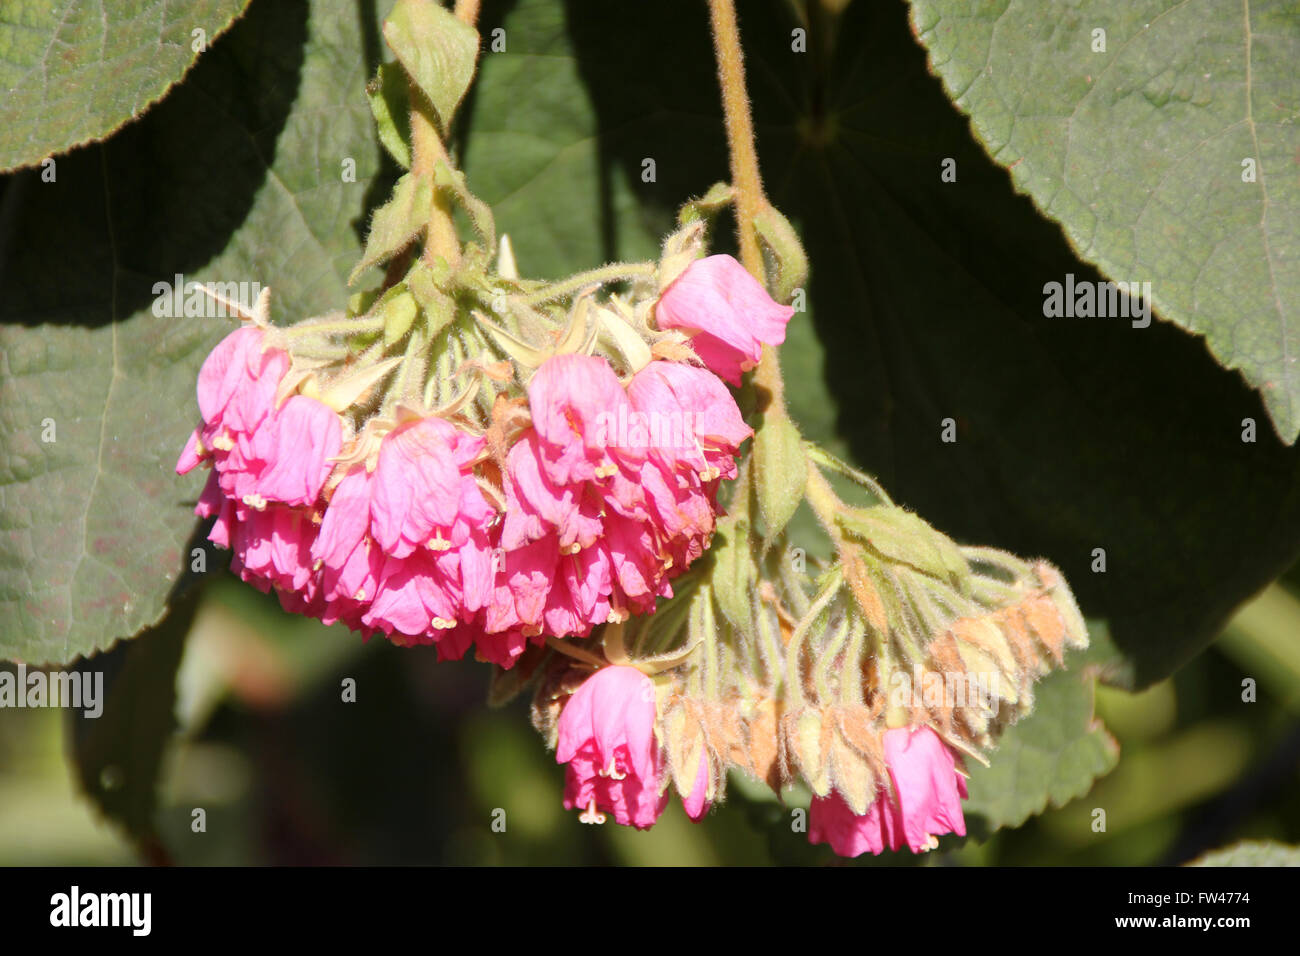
406,550
711,428
238,380
423,491
728,309
924,803
611,493
273,547
571,398
262,452
296,444
606,736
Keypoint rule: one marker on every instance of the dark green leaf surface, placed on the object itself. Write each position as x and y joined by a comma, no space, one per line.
237,177
1137,151
73,71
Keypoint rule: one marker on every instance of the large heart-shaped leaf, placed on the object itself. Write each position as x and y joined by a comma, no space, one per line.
73,71
1164,136
243,175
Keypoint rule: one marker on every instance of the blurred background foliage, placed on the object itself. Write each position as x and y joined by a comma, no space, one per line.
924,301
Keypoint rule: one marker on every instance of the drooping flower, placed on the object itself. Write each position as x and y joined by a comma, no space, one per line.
262,452
610,493
923,804
729,311
606,736
409,544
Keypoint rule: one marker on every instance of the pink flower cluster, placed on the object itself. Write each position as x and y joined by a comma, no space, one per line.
924,802
411,542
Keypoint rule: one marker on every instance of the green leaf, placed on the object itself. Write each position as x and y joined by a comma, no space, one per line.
117,755
780,472
1138,152
734,575
907,538
436,49
1050,757
396,222
1252,853
74,71
390,104
94,523
706,207
533,150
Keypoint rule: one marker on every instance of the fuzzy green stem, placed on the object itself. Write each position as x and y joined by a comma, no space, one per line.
746,182
574,284
745,178
347,326
427,150
824,502
824,458
794,650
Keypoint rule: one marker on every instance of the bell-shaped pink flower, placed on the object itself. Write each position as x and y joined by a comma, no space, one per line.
261,452
238,380
407,549
924,803
571,398
729,311
694,409
296,444
606,736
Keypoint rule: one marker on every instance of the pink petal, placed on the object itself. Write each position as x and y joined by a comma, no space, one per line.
729,310
297,443
926,783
